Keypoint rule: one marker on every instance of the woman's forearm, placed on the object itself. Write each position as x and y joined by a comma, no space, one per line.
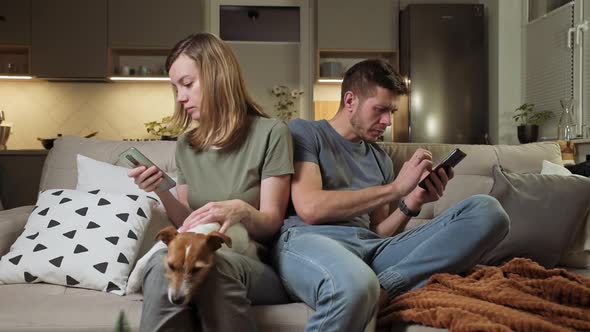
261,225
175,210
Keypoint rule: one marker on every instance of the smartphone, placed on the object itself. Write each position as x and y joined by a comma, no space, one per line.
133,158
450,161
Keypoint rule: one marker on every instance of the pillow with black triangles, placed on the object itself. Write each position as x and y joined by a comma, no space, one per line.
79,239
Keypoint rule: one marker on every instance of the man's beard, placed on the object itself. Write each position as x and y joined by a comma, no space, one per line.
357,127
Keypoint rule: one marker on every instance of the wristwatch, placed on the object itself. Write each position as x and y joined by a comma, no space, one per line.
405,210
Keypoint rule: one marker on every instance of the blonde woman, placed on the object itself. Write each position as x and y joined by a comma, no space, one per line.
235,167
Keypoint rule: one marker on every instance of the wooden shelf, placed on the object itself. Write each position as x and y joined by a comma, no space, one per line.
138,62
15,59
580,141
331,64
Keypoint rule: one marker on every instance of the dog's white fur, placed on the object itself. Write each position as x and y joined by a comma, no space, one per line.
241,243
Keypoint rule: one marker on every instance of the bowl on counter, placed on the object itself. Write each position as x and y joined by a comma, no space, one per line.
48,142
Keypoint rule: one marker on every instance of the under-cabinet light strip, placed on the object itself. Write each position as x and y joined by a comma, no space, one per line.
330,80
127,78
12,77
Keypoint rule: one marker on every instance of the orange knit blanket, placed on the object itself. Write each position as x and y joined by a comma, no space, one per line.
517,296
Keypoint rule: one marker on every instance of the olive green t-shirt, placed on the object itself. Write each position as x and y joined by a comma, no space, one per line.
219,175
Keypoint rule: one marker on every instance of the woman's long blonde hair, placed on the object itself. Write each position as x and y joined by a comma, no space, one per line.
226,105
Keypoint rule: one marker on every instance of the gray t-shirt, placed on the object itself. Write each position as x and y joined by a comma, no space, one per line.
344,165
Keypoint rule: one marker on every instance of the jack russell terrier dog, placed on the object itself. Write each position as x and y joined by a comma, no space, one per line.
191,256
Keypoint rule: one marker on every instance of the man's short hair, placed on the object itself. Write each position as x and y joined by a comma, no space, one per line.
364,77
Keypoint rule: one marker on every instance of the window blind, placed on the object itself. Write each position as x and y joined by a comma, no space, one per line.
549,68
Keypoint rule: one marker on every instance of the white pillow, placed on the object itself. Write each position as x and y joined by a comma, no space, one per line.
550,168
94,174
79,239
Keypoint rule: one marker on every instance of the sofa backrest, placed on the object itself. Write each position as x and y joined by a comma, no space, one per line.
60,171
474,174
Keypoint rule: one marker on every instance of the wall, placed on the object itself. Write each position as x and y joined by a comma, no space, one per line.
115,110
505,47
510,67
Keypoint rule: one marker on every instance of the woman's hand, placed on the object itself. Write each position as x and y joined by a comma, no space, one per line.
147,179
226,213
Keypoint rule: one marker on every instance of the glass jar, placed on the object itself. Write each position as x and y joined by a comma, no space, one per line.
566,127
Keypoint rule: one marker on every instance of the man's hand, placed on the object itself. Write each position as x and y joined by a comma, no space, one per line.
412,171
435,187
226,213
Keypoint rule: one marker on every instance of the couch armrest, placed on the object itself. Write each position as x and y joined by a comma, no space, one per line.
12,224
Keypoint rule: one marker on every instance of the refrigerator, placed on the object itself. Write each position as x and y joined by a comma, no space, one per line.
443,55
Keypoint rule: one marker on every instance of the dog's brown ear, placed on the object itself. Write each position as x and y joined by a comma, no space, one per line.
167,234
216,239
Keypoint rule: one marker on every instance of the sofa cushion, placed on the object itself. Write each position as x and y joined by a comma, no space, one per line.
59,170
554,169
44,307
545,211
79,239
95,174
33,308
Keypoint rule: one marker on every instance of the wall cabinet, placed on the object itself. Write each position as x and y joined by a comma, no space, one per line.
69,39
152,23
14,60
15,22
142,33
359,25
15,36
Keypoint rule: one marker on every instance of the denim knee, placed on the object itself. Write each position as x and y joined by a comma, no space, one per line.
493,212
358,292
492,217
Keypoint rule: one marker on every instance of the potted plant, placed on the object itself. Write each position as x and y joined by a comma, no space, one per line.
163,128
285,108
529,121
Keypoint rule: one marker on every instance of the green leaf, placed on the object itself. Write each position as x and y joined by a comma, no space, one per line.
122,325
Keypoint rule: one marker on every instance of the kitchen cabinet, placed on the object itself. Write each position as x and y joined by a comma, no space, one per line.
332,63
352,31
359,25
14,60
69,39
251,23
142,33
15,36
15,22
152,23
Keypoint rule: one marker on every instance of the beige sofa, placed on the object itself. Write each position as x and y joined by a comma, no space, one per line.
44,307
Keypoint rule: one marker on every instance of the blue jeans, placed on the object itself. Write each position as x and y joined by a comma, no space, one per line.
338,270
